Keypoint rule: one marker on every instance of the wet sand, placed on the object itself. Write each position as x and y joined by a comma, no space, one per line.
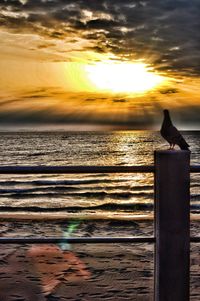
82,271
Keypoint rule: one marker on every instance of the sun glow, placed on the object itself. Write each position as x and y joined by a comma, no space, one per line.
123,77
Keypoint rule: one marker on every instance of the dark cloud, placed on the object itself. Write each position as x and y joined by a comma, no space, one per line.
187,115
119,100
42,46
169,91
90,99
166,32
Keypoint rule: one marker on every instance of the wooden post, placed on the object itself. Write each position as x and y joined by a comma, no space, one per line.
172,225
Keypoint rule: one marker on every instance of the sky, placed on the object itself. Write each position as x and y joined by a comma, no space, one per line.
99,64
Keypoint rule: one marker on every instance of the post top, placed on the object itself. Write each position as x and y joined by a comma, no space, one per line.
172,151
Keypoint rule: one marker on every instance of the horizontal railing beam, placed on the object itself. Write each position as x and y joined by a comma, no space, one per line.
194,239
82,169
73,169
195,168
88,240
75,240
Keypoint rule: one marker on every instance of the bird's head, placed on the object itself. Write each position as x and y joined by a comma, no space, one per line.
166,112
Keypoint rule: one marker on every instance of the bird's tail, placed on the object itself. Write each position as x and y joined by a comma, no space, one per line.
183,144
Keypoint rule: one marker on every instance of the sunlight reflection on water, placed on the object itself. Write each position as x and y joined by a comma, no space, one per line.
99,194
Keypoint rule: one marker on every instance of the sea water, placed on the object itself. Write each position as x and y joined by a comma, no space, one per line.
87,195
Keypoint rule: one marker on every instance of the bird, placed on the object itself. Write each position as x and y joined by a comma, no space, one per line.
170,133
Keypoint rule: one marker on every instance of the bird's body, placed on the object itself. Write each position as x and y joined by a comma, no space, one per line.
171,134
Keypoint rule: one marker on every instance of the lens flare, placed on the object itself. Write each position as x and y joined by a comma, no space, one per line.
66,233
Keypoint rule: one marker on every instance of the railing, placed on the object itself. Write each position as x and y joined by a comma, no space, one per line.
172,223
82,169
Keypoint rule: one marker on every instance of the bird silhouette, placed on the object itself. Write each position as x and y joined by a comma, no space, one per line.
171,134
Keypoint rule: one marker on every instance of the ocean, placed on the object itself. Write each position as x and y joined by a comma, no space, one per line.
120,196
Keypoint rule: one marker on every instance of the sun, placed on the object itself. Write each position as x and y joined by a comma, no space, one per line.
123,77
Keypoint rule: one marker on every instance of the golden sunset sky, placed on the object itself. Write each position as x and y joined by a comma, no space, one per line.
113,63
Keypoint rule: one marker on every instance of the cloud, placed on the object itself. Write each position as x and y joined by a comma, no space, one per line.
47,105
119,100
164,32
169,91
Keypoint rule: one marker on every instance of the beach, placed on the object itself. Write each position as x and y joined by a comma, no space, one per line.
82,271
79,271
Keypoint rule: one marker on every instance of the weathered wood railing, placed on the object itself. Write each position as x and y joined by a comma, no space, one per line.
171,211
